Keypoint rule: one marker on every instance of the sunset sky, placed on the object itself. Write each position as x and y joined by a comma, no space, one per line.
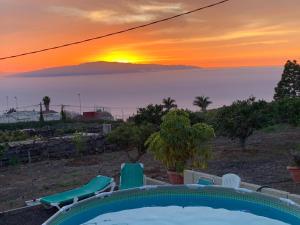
238,33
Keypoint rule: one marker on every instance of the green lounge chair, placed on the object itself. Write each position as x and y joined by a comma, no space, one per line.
96,186
132,175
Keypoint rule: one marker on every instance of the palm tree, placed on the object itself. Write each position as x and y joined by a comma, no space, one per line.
202,102
46,101
41,119
169,103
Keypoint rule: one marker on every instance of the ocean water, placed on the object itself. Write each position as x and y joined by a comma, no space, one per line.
123,93
175,215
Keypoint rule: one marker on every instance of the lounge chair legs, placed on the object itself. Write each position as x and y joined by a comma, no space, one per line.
56,205
107,184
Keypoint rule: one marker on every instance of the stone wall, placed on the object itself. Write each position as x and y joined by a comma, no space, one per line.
52,131
53,148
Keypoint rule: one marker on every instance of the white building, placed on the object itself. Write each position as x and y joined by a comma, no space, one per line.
27,116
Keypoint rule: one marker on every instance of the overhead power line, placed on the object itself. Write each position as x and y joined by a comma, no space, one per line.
114,33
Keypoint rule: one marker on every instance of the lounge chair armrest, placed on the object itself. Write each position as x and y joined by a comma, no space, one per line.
112,186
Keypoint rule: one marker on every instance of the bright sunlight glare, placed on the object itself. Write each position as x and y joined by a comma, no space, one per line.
120,57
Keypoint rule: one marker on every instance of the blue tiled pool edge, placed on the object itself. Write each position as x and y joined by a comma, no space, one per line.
215,197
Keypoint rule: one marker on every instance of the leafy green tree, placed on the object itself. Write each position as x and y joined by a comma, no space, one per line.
196,117
150,114
46,101
289,85
178,142
202,102
286,110
241,119
131,138
169,103
208,117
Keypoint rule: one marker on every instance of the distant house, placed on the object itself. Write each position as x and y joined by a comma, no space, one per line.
98,115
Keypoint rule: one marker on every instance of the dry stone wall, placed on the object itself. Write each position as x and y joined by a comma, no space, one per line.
53,148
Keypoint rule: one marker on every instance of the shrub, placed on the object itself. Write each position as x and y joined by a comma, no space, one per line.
287,110
179,142
14,161
295,152
208,117
79,142
242,118
9,136
150,114
131,137
196,117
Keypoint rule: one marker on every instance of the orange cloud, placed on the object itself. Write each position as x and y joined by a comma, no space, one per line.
240,33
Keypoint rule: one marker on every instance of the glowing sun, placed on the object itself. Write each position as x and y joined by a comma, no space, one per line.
120,57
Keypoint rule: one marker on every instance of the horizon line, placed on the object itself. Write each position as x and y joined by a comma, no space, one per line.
11,73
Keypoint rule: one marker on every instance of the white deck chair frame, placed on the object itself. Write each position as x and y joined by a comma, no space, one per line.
231,180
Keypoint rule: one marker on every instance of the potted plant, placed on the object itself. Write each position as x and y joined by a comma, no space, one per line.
295,170
178,144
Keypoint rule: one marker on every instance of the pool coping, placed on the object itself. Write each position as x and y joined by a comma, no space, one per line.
192,177
194,187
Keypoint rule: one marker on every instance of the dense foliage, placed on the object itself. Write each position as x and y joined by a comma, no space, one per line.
9,136
150,114
203,117
242,118
131,137
236,121
289,85
179,142
286,110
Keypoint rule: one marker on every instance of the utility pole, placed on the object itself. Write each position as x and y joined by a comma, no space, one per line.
16,98
79,97
7,115
7,104
122,114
